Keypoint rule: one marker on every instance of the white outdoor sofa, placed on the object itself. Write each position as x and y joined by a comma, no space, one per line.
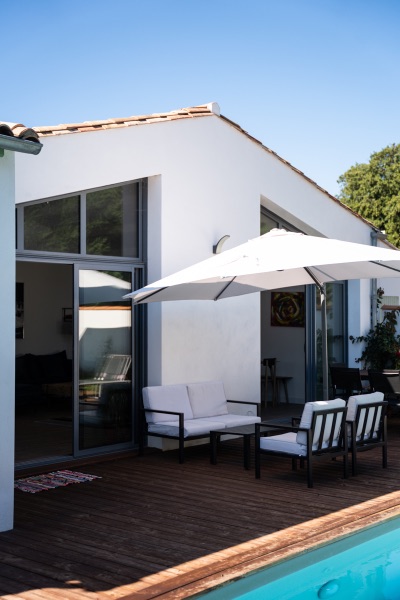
190,411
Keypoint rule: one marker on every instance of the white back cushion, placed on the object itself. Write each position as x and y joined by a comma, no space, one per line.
166,397
363,400
307,416
207,399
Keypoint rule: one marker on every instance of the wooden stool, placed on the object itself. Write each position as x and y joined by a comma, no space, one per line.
270,364
282,379
276,380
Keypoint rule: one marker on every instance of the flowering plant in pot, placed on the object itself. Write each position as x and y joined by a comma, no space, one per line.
381,343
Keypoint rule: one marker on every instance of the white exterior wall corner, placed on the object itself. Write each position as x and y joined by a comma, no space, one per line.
7,340
206,179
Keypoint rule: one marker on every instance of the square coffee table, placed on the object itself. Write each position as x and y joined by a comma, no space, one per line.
246,431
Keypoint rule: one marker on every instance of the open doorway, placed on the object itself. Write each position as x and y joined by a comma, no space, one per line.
283,337
44,359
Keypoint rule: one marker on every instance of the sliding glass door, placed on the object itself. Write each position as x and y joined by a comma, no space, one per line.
103,365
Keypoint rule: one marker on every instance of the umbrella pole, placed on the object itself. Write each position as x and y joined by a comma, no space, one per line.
324,336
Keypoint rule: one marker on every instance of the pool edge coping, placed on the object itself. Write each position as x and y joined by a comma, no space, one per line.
212,571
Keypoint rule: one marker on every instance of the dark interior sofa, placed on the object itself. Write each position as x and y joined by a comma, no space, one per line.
39,375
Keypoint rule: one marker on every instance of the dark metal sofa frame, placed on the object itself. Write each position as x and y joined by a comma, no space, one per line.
143,429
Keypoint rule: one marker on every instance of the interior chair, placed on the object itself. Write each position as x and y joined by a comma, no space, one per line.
366,420
269,365
345,381
113,367
276,381
105,400
387,382
321,434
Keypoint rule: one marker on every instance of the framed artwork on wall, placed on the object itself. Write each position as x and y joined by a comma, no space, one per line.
287,309
19,311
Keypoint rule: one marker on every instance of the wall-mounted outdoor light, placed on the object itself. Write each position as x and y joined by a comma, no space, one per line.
218,246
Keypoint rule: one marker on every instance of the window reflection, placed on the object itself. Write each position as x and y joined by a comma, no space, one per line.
52,226
105,358
111,217
266,223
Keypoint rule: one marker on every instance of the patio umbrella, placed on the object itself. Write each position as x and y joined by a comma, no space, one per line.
274,260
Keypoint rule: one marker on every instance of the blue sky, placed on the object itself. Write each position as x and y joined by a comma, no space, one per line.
317,81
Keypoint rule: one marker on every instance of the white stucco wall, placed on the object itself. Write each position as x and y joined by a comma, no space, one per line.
7,340
206,179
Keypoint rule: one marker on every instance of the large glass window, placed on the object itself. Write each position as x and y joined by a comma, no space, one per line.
335,323
266,223
99,223
112,221
53,226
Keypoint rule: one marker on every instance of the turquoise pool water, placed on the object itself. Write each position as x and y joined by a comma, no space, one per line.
364,566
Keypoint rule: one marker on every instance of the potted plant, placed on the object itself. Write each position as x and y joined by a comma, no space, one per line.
382,343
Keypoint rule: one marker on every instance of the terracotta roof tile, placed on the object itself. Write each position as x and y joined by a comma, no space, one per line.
183,113
19,131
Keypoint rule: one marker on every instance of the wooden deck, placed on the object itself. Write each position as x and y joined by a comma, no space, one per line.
151,528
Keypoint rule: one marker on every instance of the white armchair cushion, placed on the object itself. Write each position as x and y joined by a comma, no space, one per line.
364,400
285,442
306,420
207,399
166,397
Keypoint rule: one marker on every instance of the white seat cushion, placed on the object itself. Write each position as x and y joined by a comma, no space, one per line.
207,399
192,427
232,420
166,397
285,442
364,400
307,416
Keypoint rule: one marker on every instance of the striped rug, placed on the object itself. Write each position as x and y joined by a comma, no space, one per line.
49,481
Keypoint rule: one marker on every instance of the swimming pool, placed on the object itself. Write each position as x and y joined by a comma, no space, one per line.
363,566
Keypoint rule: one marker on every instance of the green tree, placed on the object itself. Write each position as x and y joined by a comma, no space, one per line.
373,190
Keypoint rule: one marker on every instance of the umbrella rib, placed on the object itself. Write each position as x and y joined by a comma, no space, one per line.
315,280
150,294
375,262
218,296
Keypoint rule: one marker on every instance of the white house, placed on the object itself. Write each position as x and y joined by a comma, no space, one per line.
130,201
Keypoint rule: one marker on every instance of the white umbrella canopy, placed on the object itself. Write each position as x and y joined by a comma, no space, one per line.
275,260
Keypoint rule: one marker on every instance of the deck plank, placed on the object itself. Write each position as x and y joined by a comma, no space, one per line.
152,528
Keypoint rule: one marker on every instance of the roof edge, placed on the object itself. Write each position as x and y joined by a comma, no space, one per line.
202,110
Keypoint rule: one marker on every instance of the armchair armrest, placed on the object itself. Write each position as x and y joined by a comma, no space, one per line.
181,416
167,412
276,425
143,429
283,422
256,404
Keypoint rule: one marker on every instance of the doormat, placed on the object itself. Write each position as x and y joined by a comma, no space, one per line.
49,481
